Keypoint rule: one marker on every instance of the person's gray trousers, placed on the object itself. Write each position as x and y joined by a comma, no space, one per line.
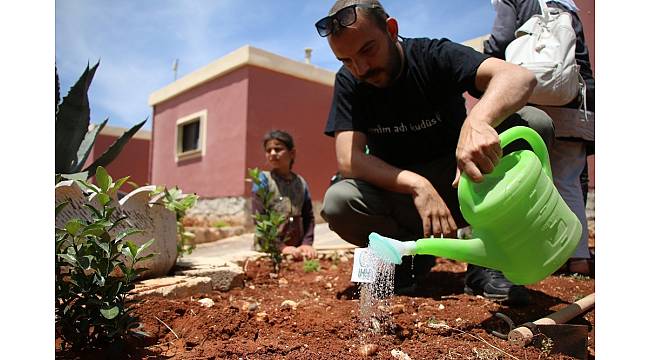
354,208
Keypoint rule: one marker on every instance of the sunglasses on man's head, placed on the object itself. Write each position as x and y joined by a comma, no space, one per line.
344,17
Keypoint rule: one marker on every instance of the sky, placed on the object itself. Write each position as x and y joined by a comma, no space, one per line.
137,42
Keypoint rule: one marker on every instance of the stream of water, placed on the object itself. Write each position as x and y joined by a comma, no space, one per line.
374,300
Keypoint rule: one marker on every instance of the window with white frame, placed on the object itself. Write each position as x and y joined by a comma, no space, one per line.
190,135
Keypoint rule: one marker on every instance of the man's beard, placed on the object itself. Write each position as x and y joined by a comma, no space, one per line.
392,69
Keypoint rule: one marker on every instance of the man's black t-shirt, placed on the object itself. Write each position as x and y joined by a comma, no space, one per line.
419,117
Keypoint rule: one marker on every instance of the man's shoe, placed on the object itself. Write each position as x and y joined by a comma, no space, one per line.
492,285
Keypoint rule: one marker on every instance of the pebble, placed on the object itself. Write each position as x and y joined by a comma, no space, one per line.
400,355
244,306
262,316
397,308
441,307
283,281
207,302
368,349
289,304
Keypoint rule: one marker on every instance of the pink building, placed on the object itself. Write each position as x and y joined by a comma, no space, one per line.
208,126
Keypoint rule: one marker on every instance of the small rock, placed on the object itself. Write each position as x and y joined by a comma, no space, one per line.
368,349
425,307
289,304
262,316
397,308
438,325
273,275
283,282
375,325
207,302
400,355
328,285
244,306
252,287
441,307
318,278
334,267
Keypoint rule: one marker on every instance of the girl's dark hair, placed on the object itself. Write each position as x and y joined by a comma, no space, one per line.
282,137
279,135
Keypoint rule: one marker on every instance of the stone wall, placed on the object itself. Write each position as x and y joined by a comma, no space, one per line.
219,218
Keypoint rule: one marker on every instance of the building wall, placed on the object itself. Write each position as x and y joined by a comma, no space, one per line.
220,171
282,102
133,160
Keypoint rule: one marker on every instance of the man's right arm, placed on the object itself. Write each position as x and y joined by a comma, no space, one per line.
353,162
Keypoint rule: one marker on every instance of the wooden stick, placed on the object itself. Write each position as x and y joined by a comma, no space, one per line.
522,335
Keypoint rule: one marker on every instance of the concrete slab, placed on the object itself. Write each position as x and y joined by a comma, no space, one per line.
214,265
240,248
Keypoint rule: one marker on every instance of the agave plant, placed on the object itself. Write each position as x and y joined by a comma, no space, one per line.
73,138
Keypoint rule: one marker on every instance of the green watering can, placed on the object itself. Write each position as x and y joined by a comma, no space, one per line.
522,226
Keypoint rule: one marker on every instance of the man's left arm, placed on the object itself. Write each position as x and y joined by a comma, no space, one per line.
506,88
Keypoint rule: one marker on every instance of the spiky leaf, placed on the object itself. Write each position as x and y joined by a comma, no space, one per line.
111,153
72,120
86,146
80,176
57,90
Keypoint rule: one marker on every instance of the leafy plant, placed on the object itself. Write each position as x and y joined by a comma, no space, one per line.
95,269
219,224
73,140
179,203
310,265
267,221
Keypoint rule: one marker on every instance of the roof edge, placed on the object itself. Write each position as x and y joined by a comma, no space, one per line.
245,55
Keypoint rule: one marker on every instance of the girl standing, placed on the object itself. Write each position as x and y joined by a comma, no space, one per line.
291,197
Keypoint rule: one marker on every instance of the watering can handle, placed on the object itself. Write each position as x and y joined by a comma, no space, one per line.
535,141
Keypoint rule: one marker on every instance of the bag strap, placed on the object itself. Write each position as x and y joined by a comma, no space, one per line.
545,11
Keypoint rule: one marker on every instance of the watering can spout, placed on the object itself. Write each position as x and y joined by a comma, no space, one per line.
472,250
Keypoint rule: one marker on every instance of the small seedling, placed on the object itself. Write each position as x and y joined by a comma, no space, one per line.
267,221
311,266
547,346
179,203
219,224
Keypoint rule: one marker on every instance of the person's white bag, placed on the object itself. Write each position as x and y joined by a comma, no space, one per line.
545,45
